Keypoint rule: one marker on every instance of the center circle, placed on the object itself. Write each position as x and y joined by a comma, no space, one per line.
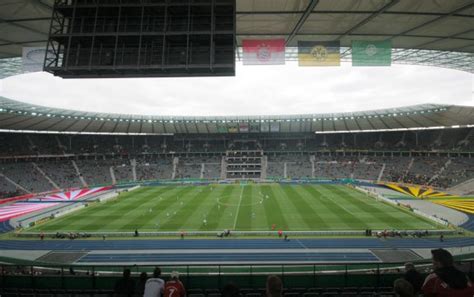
260,200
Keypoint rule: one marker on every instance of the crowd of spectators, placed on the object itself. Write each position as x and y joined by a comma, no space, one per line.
106,159
437,171
431,140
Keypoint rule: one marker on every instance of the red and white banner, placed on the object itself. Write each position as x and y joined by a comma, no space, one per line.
263,51
42,202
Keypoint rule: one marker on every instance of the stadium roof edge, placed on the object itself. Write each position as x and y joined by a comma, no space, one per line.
16,115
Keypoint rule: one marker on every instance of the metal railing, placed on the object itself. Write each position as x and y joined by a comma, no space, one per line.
373,274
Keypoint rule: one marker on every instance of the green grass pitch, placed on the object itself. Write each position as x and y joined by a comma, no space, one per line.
238,207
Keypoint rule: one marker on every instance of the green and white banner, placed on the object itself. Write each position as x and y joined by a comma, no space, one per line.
371,53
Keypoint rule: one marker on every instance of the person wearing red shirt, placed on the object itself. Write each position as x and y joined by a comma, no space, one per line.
446,280
174,287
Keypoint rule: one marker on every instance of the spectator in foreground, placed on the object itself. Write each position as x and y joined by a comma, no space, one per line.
154,286
230,290
141,284
446,280
125,286
413,277
174,287
274,287
403,288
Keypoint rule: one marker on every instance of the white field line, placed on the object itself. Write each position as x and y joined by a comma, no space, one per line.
238,207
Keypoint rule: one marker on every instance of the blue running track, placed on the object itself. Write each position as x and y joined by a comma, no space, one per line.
469,225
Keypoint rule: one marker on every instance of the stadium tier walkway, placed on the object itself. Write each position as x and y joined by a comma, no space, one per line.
219,244
225,257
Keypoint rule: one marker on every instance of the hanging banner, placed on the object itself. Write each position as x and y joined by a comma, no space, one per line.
275,127
243,127
319,53
371,53
263,51
254,128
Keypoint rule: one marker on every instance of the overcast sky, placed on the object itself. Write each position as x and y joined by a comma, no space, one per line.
255,90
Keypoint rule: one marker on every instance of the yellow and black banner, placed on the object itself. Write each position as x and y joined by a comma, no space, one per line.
418,192
319,53
465,205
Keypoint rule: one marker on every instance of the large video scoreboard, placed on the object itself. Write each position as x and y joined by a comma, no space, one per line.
141,38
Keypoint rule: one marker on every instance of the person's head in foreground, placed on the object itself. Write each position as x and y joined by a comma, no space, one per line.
230,290
409,266
174,275
274,286
441,258
446,280
403,288
126,273
157,272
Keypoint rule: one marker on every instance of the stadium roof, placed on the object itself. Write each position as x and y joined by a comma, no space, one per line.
428,32
15,115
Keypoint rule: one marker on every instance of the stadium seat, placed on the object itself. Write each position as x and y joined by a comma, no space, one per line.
253,295
315,290
212,291
330,294
348,294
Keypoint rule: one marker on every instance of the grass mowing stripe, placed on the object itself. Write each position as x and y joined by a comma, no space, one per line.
227,220
309,215
118,213
73,218
188,209
218,210
245,217
404,219
77,220
291,214
352,221
260,219
249,207
144,212
167,205
304,209
272,210
376,212
238,206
